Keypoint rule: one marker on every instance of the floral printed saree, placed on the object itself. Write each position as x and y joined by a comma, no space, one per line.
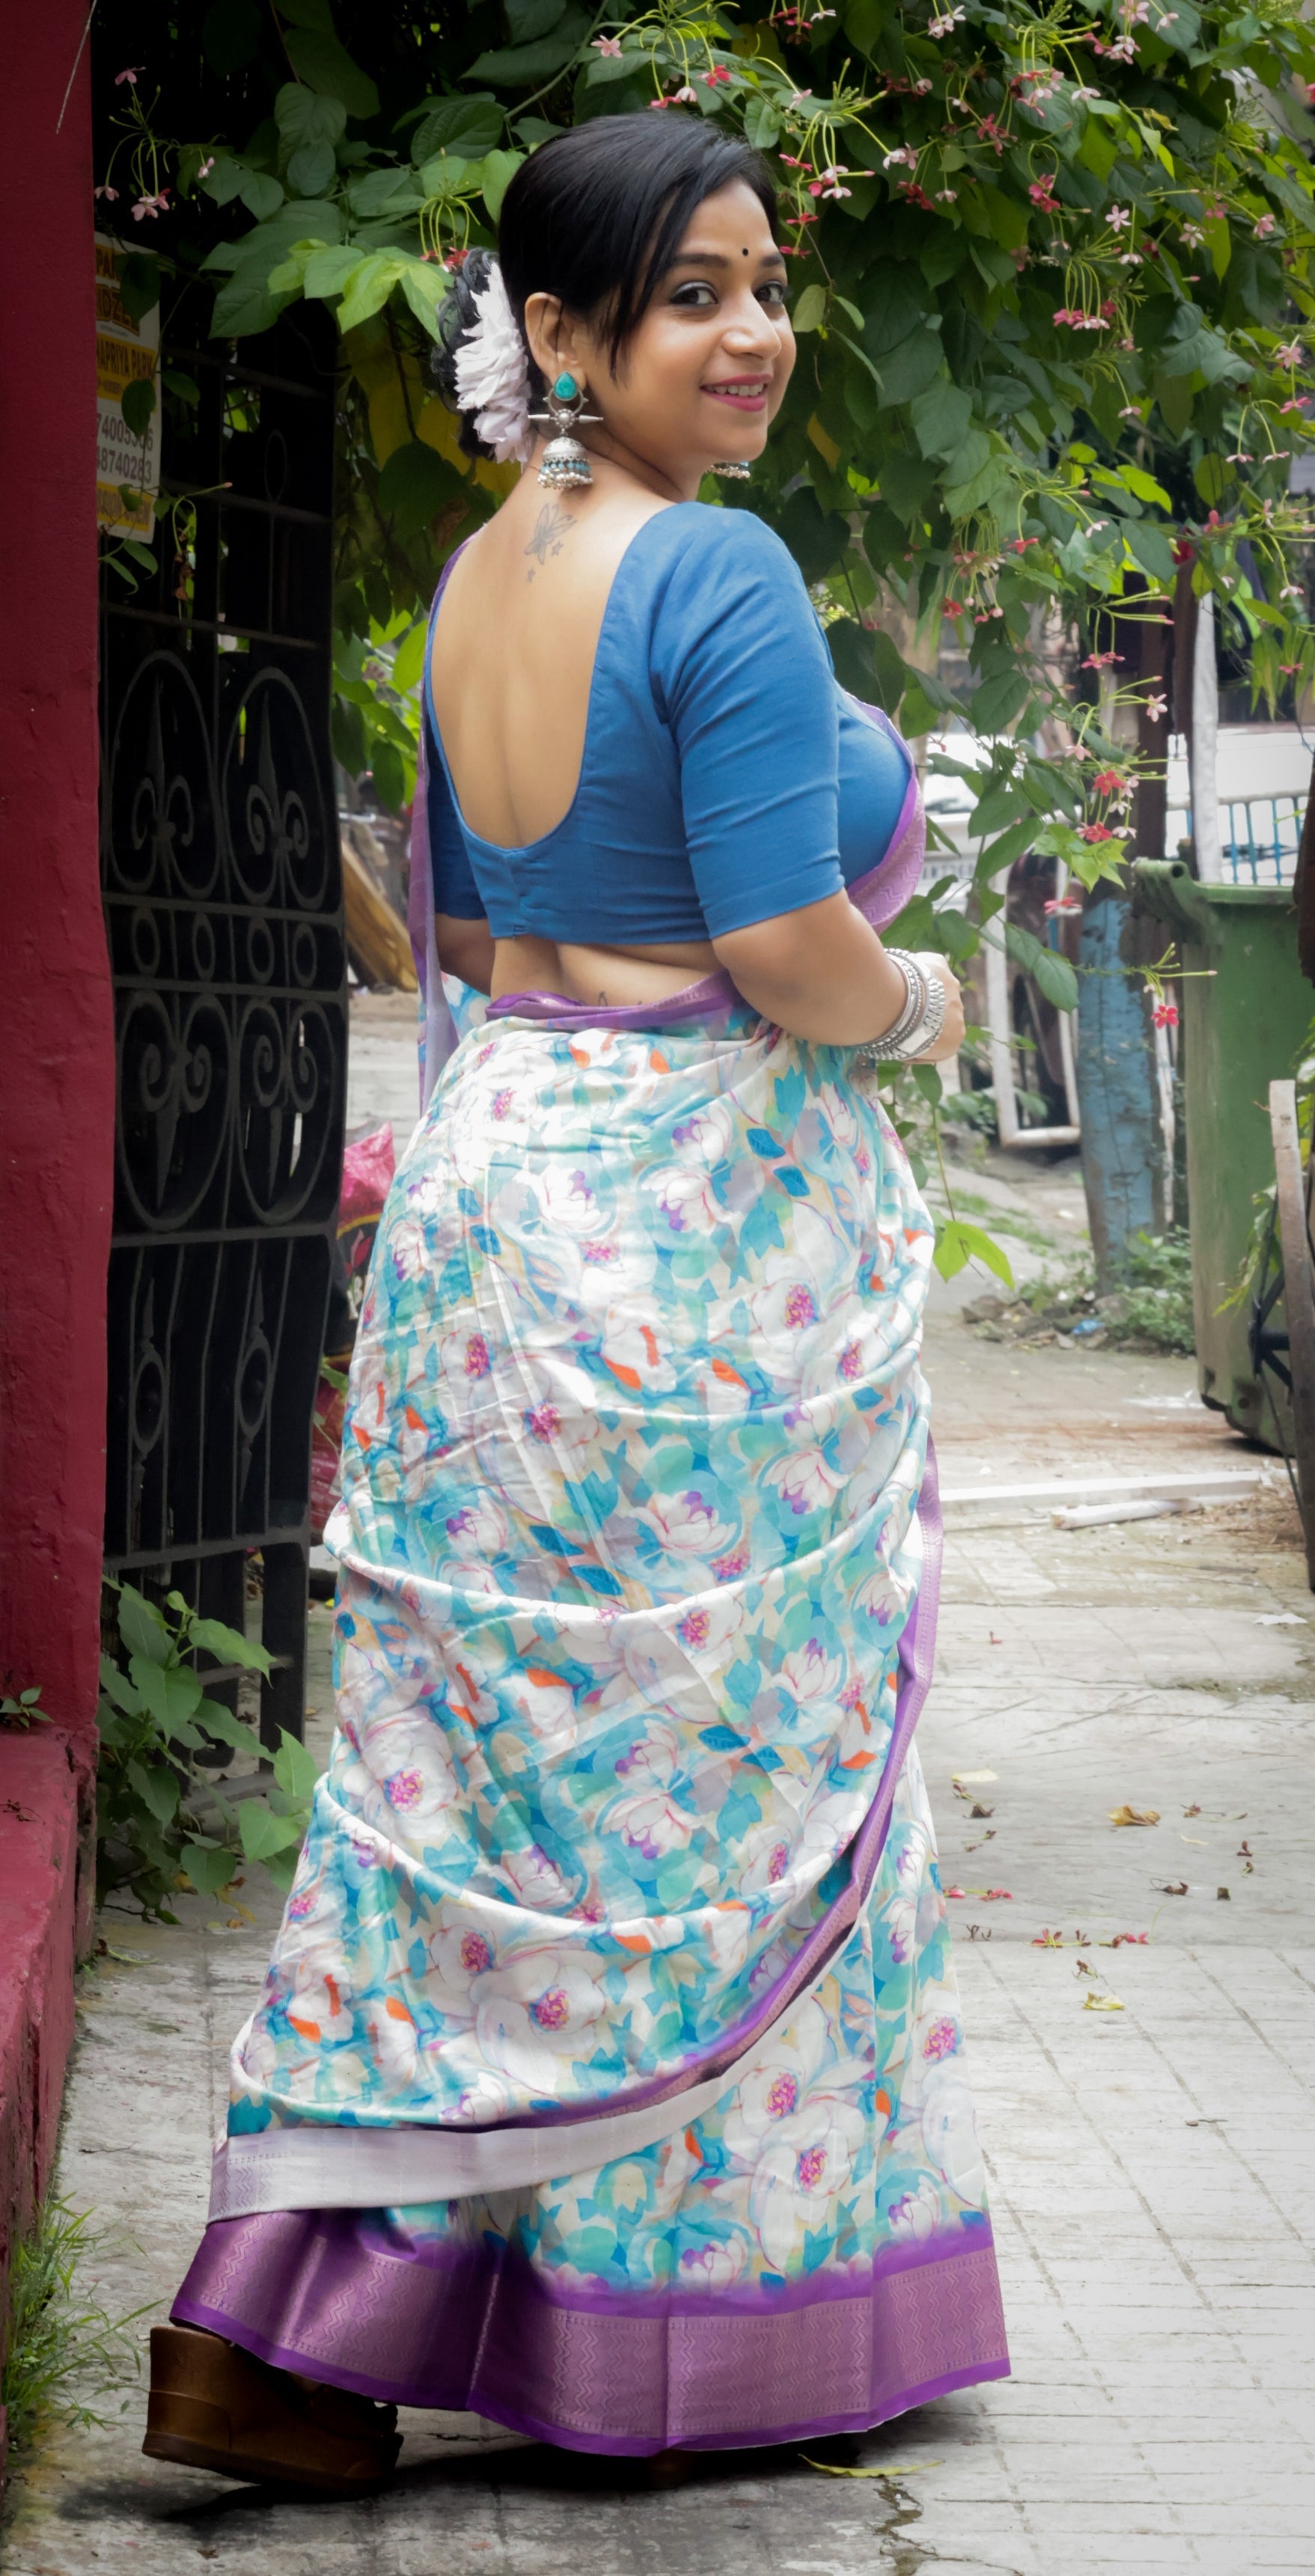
608,2076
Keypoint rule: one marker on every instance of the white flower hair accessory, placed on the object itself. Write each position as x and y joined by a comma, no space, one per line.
493,376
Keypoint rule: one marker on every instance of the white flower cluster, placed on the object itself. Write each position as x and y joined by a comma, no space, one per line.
493,376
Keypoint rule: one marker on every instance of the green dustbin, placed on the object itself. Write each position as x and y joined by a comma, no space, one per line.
1245,1024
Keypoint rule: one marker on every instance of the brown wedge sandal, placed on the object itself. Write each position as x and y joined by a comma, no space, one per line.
213,2406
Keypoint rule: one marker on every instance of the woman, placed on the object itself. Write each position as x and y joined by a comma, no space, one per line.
607,2073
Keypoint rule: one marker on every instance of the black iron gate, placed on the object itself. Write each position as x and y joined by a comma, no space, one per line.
223,904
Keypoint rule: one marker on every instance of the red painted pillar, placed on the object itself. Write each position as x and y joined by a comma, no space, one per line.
56,1079
56,1025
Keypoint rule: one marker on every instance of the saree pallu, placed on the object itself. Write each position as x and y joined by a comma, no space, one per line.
619,1915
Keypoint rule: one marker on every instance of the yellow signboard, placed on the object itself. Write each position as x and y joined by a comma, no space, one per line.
126,351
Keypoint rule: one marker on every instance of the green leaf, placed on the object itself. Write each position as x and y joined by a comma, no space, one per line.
308,13
220,1723
312,169
170,1692
940,417
762,123
327,67
425,290
137,404
143,1628
409,659
1052,973
209,1866
1001,803
1148,544
516,66
957,1242
295,1769
909,369
157,1788
326,271
304,117
809,309
996,700
139,283
1010,846
500,169
467,128
389,774
264,1834
261,195
530,18
414,485
229,1646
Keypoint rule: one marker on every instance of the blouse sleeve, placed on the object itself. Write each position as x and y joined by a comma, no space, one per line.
455,890
742,677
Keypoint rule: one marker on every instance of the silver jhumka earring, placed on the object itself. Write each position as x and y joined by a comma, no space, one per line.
733,473
565,464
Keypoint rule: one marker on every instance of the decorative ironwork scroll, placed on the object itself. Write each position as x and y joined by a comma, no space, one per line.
223,908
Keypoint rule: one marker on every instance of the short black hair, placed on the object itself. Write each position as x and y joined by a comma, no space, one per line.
595,217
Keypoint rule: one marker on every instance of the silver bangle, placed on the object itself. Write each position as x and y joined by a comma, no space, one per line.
889,1046
918,1025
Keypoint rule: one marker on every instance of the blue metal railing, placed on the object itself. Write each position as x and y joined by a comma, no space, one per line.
1258,837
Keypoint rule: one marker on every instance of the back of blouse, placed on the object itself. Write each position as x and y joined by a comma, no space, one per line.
725,778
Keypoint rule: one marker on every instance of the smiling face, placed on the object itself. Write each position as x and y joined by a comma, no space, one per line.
705,373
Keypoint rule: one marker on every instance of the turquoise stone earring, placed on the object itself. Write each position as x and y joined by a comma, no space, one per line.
565,465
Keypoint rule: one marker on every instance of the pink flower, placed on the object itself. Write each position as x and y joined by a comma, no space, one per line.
1101,661
109,192
1165,1015
609,45
130,75
1095,832
1156,709
1118,219
1042,193
1064,903
1290,354
686,97
1264,227
717,77
1107,782
158,205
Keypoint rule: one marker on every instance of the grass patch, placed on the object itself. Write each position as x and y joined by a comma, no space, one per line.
65,2353
1150,1310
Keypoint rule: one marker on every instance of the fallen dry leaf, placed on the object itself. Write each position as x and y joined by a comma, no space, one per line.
980,1811
1134,1815
1226,1893
1101,2003
1084,1968
1170,1886
913,2469
975,1933
1193,1810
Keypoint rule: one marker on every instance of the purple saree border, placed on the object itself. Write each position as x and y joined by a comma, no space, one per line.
480,2329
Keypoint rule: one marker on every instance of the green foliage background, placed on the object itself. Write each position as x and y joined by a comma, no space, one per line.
1053,292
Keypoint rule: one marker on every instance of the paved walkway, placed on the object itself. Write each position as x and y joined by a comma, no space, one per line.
1150,2164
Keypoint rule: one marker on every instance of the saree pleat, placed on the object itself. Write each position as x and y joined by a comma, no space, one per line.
635,1616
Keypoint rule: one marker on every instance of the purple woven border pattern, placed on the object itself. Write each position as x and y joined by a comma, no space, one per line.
332,2295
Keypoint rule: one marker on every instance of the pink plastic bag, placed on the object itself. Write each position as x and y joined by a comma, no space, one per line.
367,1170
